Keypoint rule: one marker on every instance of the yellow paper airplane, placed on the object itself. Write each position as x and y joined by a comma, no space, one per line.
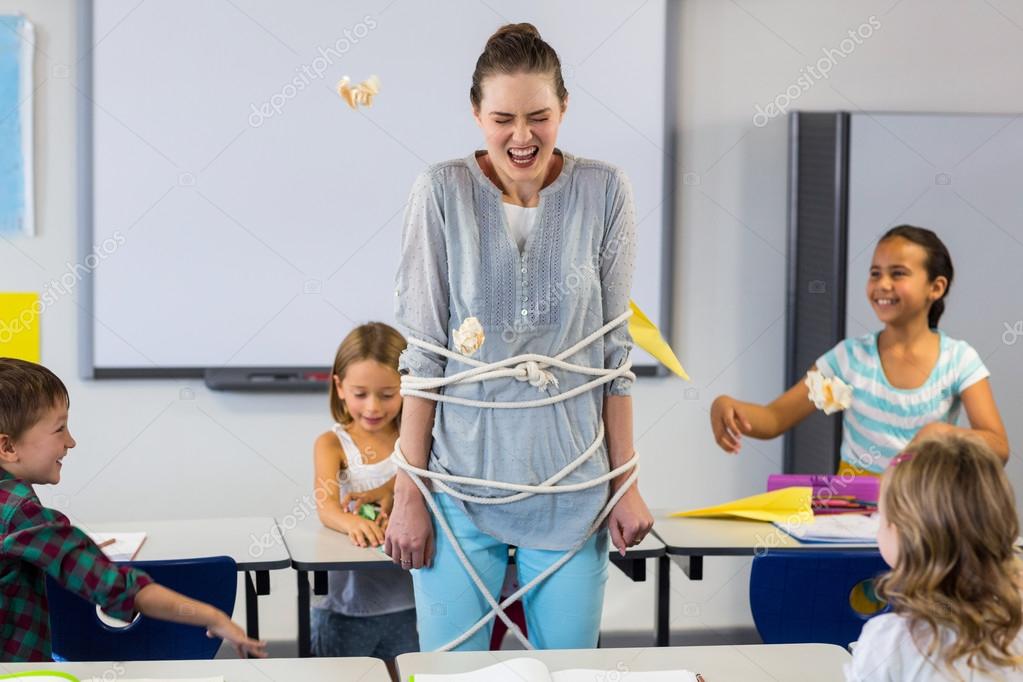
786,504
648,337
19,326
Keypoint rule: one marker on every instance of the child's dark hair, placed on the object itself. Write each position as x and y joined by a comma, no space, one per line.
371,341
516,48
938,263
27,390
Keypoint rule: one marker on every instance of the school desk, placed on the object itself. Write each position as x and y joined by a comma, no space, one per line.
232,670
748,663
692,539
254,543
317,549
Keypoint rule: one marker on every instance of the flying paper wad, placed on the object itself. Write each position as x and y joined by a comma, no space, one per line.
647,336
786,504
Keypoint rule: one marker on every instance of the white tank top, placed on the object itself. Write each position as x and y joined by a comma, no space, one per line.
373,591
359,477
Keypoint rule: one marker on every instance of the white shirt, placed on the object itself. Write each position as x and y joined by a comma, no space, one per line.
886,652
521,221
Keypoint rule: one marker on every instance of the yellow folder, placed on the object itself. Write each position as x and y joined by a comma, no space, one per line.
786,504
648,337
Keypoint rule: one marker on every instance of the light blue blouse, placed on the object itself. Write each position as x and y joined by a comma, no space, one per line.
458,260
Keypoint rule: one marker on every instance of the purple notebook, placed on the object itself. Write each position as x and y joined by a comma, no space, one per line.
860,487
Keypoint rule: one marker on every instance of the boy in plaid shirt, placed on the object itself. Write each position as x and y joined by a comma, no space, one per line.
36,541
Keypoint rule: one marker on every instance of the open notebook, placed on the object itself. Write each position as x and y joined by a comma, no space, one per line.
119,546
841,528
54,676
532,670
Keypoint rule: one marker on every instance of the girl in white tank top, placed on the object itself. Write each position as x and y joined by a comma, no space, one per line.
366,612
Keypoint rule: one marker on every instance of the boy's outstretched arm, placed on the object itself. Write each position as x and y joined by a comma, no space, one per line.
156,601
45,538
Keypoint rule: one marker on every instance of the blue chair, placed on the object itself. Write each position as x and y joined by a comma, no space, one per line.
806,596
78,634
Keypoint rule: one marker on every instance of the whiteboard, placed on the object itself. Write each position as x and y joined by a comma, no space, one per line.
247,218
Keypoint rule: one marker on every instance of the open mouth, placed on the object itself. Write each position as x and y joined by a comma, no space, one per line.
523,157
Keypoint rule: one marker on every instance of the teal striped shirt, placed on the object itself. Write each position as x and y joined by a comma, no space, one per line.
882,419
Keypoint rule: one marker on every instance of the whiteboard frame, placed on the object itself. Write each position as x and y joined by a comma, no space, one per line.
85,211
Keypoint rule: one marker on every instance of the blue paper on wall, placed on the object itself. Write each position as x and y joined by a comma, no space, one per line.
17,43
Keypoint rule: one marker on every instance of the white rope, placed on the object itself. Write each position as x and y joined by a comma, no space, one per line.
532,368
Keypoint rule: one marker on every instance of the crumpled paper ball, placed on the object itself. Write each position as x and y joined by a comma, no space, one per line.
829,394
361,94
469,336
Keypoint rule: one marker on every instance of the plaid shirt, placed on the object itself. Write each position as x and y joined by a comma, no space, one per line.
35,542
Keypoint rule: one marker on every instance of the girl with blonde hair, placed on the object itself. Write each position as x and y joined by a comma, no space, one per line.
948,531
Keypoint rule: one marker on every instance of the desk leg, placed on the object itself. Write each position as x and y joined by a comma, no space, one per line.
304,627
662,628
635,569
251,607
693,567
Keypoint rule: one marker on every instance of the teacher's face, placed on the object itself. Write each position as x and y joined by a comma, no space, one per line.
519,115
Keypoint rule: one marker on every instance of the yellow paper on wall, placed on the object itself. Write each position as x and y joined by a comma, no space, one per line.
19,326
648,337
785,504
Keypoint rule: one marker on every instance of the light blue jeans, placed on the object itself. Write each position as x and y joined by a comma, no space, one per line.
562,612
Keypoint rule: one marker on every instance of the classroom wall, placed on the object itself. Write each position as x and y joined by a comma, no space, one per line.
172,449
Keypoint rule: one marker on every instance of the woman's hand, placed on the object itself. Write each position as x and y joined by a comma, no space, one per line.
365,533
630,520
728,424
227,630
409,537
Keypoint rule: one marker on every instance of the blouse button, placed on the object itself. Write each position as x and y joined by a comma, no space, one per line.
524,312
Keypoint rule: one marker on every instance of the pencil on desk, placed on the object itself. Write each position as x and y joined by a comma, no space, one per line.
107,542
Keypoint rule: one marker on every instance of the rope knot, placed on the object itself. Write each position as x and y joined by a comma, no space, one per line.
530,371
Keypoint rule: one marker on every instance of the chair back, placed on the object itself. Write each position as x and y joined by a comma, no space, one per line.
807,596
78,633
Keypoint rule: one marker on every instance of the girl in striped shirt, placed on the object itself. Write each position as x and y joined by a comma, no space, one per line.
909,380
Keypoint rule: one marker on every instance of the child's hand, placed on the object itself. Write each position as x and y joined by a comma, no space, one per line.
931,430
365,533
382,496
728,424
227,630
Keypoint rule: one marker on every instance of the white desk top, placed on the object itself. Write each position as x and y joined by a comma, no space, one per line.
233,670
731,537
314,547
746,663
253,542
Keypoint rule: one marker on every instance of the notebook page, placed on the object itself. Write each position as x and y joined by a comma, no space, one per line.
124,546
579,675
512,670
843,528
219,678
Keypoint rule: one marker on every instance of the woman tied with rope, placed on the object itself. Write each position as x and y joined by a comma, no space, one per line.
525,439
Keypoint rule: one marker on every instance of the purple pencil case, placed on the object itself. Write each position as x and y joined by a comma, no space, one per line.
864,488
